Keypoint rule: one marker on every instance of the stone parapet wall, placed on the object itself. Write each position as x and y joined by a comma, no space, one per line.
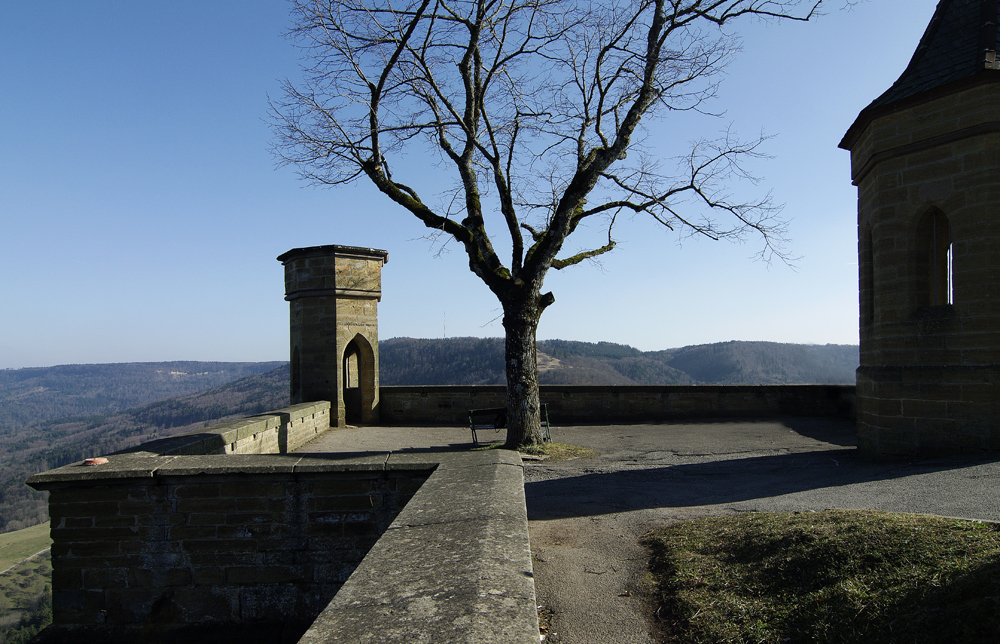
209,548
454,566
581,405
277,432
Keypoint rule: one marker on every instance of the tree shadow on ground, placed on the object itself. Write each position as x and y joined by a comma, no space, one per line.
835,431
434,449
828,473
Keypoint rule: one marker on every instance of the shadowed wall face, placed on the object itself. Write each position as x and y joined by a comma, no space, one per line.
247,557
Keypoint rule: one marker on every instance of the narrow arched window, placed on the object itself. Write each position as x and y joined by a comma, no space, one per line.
940,261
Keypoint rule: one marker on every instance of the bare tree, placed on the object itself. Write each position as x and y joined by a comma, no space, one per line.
534,109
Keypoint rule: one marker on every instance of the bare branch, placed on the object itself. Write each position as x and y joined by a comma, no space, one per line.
532,109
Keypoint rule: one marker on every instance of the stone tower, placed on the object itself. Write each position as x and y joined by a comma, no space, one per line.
925,157
333,294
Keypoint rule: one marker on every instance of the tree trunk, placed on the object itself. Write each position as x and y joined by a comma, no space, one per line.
520,322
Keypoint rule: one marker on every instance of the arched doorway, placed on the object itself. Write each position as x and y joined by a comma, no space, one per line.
358,377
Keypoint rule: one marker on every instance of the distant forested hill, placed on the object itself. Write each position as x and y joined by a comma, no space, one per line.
453,361
479,361
29,396
758,363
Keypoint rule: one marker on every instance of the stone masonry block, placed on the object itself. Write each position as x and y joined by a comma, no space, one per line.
85,508
90,494
214,505
91,549
344,485
254,489
205,519
255,575
228,546
177,533
222,558
208,575
344,503
196,490
67,578
78,606
159,577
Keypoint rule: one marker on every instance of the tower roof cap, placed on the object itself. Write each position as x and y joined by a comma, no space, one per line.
331,250
958,48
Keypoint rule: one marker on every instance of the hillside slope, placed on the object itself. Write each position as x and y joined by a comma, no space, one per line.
53,443
760,363
34,395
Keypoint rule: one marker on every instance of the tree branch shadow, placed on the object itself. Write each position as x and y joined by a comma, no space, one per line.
717,482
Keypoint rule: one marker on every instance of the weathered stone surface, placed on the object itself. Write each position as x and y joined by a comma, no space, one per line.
120,466
230,464
455,565
338,462
928,177
191,544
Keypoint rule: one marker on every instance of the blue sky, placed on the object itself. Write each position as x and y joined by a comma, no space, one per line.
141,210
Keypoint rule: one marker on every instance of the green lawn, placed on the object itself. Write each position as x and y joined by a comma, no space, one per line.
25,589
841,577
15,546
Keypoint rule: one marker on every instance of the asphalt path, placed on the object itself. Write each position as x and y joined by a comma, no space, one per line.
586,516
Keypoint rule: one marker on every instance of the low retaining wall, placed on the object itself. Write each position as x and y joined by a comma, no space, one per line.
276,432
161,544
583,405
209,548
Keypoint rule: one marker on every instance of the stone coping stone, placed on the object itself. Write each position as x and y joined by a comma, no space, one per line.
301,410
143,466
123,466
454,566
214,439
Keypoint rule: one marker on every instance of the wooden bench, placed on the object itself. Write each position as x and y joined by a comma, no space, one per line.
495,418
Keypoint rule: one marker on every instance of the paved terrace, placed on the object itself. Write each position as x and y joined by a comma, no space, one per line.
586,515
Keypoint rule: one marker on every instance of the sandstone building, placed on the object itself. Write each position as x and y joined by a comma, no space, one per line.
925,156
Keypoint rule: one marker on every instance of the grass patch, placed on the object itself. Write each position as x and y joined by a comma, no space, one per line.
25,587
551,451
834,576
559,451
15,546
